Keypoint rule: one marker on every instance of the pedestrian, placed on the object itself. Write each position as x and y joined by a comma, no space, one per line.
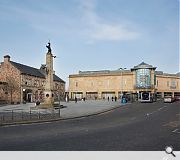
66,99
112,98
115,98
108,98
84,99
75,99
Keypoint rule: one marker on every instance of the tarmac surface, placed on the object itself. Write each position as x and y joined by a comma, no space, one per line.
133,127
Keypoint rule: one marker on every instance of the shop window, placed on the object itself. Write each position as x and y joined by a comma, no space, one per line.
143,78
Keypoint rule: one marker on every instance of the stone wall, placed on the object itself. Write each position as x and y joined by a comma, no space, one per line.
11,75
101,83
115,83
23,84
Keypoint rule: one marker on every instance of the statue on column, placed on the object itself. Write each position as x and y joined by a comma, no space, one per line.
49,47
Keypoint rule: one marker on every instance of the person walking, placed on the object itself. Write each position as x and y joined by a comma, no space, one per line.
112,99
108,98
115,98
66,99
75,99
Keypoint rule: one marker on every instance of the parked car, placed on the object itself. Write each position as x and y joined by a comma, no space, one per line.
168,99
177,98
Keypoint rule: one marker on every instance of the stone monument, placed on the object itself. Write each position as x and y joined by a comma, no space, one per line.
48,92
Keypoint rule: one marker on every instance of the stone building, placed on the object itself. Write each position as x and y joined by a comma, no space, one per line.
106,83
25,83
3,94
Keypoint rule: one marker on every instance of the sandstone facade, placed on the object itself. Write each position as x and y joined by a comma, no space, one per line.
103,84
25,83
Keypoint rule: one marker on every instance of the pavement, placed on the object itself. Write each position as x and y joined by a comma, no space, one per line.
70,109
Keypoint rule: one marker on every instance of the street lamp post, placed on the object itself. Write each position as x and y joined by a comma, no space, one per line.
122,69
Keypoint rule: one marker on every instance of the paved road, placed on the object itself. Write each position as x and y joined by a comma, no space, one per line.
135,127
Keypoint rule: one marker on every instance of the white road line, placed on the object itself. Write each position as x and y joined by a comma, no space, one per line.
160,108
176,131
148,114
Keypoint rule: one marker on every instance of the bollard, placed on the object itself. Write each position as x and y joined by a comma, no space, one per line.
3,117
22,115
59,112
30,114
12,115
39,115
52,113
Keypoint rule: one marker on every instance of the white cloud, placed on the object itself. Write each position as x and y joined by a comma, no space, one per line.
100,29
55,22
113,33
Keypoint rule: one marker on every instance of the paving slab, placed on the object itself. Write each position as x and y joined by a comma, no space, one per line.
71,109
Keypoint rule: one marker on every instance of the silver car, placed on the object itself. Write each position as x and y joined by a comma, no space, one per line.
168,99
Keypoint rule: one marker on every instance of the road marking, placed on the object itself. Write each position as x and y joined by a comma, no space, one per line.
148,114
160,108
172,124
176,131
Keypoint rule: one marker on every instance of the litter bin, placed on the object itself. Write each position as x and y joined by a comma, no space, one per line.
123,100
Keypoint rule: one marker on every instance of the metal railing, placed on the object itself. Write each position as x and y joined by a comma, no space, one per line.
33,115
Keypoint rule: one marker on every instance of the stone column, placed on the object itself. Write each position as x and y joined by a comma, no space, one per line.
48,93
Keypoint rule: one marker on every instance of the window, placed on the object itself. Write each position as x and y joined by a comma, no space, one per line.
43,83
143,78
157,83
173,84
76,84
36,82
167,83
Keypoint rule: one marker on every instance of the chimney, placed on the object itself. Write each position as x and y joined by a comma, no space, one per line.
6,58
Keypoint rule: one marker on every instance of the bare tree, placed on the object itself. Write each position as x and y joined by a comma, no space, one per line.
11,87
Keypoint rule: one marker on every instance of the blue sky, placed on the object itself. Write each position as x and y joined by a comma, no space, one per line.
91,34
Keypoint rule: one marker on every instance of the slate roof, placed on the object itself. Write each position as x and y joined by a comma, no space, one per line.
24,69
143,66
103,72
167,74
